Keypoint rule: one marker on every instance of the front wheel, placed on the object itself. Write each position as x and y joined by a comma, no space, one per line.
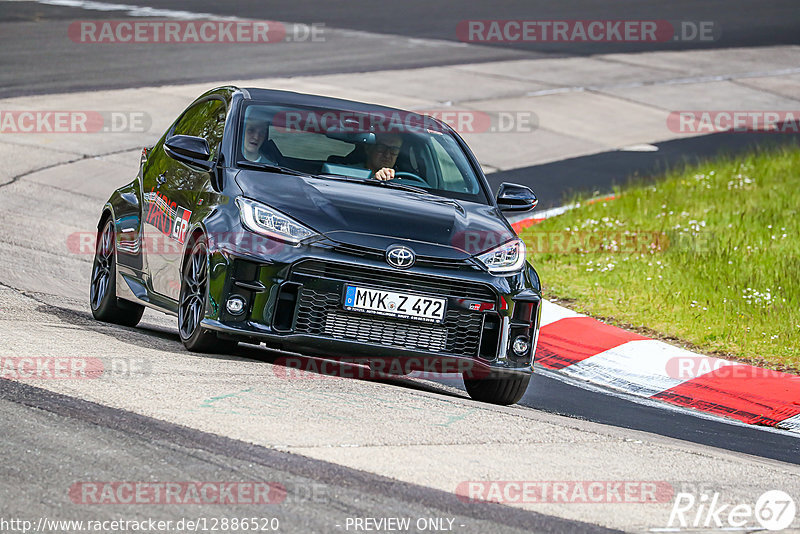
192,303
503,389
103,299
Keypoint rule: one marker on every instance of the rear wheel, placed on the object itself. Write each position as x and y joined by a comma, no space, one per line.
498,389
103,287
192,303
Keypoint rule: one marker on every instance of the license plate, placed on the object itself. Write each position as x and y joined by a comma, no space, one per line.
394,304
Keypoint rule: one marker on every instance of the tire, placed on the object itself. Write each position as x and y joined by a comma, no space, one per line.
103,299
503,389
192,303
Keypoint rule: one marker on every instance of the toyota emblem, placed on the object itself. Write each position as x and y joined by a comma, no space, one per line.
400,257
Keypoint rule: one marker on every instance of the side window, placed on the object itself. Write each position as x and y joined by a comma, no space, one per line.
206,119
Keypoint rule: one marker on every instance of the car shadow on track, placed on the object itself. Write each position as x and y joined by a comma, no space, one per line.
287,364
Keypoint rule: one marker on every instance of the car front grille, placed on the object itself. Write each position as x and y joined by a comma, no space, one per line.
361,327
319,310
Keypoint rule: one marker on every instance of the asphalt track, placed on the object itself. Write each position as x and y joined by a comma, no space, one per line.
63,423
393,36
67,434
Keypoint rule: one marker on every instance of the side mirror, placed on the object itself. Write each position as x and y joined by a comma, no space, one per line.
192,151
513,197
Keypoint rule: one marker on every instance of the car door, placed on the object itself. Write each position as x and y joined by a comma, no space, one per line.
172,190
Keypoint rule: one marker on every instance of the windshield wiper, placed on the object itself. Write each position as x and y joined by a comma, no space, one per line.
404,187
270,167
378,183
422,191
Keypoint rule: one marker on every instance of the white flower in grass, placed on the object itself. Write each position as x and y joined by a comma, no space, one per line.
758,298
740,181
608,267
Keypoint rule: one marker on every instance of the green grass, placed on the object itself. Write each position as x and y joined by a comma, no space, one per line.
709,255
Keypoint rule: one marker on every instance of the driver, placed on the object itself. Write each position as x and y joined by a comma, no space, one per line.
382,156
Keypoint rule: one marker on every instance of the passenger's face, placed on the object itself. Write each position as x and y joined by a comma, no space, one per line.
383,153
254,134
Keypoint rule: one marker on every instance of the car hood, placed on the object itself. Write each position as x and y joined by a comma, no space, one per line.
376,217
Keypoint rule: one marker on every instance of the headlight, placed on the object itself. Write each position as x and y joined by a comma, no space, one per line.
507,258
264,220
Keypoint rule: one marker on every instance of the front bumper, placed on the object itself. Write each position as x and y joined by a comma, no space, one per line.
294,303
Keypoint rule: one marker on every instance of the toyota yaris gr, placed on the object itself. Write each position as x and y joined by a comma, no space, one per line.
326,227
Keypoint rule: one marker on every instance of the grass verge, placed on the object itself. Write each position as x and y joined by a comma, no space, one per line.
709,255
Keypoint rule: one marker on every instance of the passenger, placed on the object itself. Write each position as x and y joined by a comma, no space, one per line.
255,131
382,156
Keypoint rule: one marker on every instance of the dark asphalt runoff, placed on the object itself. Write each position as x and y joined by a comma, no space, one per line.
34,34
599,174
741,22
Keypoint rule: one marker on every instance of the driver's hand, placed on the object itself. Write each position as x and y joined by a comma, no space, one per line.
385,174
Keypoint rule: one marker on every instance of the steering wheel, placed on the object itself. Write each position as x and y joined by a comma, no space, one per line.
411,176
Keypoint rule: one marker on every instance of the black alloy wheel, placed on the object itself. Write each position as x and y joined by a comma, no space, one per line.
103,287
192,303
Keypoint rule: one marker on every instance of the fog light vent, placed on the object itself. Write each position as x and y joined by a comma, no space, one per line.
235,305
521,346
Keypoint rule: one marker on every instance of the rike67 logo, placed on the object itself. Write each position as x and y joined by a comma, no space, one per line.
773,510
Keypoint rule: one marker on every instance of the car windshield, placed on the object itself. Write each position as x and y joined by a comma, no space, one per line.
352,145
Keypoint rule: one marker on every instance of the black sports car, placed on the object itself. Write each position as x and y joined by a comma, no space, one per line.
328,227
